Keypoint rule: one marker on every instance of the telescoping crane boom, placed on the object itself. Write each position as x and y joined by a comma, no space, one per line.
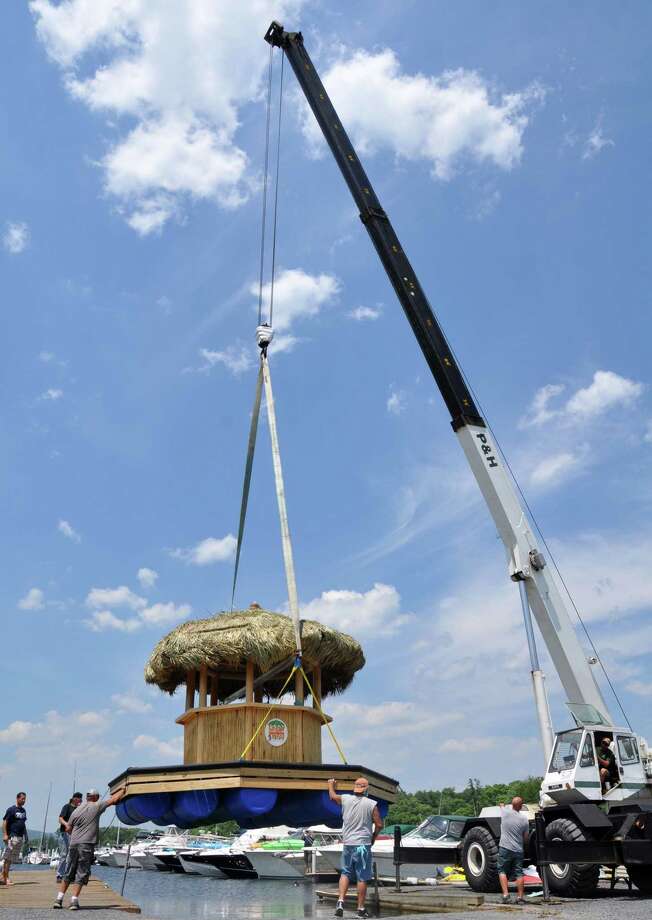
573,776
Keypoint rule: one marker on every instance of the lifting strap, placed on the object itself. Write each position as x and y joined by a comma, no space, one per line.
288,558
251,447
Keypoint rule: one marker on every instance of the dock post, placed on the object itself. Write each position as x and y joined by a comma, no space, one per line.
376,892
397,856
124,874
540,838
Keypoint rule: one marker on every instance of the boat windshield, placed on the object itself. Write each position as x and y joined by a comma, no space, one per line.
567,748
432,828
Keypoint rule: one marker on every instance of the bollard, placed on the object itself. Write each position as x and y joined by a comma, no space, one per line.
397,856
376,892
124,874
540,840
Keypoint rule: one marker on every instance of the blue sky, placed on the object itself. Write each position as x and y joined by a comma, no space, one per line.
510,144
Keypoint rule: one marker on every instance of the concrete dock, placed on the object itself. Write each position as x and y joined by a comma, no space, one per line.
36,889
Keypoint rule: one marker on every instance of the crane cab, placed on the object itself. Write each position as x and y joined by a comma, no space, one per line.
573,773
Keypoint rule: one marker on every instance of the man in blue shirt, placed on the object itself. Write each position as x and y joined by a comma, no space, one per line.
14,834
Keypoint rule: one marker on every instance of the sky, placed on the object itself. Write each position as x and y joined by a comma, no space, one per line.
510,145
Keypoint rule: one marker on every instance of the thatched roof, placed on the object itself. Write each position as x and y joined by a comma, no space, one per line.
225,641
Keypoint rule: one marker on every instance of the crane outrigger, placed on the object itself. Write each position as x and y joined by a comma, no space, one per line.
590,825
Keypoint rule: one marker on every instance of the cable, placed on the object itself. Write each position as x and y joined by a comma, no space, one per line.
264,216
278,160
540,532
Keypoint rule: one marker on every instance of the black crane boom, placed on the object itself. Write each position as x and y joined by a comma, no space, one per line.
427,330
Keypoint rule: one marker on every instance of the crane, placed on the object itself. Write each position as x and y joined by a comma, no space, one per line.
581,806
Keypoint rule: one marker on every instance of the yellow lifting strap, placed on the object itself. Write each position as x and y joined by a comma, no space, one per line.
324,717
264,718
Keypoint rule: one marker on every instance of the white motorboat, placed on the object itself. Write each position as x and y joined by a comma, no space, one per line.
37,858
232,861
294,863
440,833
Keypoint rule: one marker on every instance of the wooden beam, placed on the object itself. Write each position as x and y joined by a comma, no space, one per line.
249,686
190,690
262,678
214,690
203,686
298,688
316,685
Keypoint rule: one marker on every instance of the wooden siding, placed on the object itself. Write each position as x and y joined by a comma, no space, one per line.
221,733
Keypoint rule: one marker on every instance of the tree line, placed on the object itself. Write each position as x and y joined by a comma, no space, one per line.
413,807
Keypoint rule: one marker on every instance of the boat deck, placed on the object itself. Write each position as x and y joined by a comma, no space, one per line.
414,899
37,888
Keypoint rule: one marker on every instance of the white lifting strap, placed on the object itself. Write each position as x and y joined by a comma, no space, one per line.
288,558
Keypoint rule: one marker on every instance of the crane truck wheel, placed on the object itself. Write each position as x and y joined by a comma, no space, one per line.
480,859
571,880
641,876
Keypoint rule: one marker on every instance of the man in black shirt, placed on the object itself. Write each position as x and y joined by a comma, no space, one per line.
14,834
607,763
64,817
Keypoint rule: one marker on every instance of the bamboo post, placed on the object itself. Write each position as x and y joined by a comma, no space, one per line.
190,690
316,685
214,688
203,686
298,688
250,682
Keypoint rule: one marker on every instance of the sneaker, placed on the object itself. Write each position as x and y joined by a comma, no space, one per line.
58,905
339,910
520,900
363,912
506,899
74,905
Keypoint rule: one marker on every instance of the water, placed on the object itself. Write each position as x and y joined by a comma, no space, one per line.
171,896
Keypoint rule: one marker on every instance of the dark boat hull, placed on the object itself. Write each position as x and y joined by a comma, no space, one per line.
233,865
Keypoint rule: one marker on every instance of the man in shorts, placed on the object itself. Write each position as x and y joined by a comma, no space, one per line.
84,828
514,834
14,834
361,824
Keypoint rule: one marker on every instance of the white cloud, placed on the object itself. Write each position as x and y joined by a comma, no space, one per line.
54,728
297,294
33,600
596,141
557,468
46,356
104,619
147,577
392,718
51,395
364,313
182,71
539,411
16,732
16,237
235,358
127,702
640,688
164,614
115,597
376,612
208,551
466,745
396,402
172,748
68,531
606,391
445,120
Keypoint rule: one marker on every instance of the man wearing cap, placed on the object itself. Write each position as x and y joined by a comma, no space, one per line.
361,824
64,817
83,827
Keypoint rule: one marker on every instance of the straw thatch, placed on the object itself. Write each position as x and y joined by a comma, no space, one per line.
225,641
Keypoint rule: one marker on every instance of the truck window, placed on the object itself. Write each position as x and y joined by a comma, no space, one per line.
588,758
566,750
627,749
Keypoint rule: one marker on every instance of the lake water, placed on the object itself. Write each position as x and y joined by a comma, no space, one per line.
175,896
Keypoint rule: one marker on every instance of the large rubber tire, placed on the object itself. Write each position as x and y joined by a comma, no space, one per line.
480,859
641,876
571,880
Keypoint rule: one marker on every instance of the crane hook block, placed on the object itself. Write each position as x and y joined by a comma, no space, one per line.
264,335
